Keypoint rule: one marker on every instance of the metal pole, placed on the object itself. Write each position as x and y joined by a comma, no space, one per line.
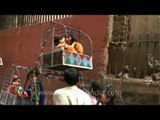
138,52
110,30
159,50
155,50
131,55
146,66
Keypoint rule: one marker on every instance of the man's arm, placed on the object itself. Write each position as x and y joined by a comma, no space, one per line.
79,48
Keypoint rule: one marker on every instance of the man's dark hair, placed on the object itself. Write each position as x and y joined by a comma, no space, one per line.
71,76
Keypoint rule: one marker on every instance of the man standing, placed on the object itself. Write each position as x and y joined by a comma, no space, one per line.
35,89
71,95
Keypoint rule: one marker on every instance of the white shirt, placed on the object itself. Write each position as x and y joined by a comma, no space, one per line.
71,95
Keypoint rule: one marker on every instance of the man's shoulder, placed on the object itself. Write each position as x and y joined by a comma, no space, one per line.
83,93
77,43
58,91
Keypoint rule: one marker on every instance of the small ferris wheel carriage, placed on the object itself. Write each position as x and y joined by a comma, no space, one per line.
58,58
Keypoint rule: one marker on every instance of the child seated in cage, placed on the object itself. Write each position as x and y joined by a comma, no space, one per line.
72,44
17,89
59,42
62,43
69,43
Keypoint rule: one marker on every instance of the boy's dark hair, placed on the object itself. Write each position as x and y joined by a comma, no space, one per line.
33,70
71,76
15,77
101,86
110,93
97,88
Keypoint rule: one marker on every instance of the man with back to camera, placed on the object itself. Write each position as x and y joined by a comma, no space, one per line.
71,95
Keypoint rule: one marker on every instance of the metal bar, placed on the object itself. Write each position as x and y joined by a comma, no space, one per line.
42,18
131,55
159,47
54,22
15,21
37,19
52,17
138,52
146,63
53,46
24,20
55,17
44,40
18,23
117,55
34,19
27,19
49,17
46,18
30,19
110,58
142,41
116,66
124,56
155,51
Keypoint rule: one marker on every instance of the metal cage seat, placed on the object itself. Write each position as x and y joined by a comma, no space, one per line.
59,58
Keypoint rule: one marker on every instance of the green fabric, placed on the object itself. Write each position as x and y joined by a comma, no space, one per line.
34,95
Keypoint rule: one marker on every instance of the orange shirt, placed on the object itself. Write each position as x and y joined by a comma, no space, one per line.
76,48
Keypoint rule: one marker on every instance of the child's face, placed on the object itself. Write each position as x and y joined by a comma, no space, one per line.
104,99
62,40
33,78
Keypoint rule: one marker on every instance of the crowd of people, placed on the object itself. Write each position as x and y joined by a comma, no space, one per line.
73,95
33,94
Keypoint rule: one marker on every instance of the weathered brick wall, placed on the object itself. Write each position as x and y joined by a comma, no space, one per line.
21,46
